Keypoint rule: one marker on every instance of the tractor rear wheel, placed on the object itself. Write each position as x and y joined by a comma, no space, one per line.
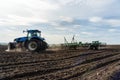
33,45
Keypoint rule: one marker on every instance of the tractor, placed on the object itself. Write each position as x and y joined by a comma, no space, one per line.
94,45
33,42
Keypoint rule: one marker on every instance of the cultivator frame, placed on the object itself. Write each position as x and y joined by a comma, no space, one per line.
94,45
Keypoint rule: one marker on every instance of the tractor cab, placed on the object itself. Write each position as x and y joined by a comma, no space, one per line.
94,45
33,33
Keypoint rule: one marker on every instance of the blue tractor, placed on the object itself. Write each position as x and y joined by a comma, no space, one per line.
32,42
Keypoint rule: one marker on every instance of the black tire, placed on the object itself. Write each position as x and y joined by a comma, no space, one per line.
36,45
43,46
91,47
24,44
11,45
96,47
33,45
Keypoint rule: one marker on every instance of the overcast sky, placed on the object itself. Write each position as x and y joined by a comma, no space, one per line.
86,19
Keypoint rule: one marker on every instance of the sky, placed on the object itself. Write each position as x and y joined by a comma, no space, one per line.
88,20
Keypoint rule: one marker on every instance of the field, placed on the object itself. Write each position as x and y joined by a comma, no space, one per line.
80,64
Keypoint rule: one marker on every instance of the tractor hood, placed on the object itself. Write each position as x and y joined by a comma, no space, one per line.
20,39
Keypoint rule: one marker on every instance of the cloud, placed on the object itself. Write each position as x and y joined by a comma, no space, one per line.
24,12
89,19
67,19
113,22
17,20
112,30
86,33
100,20
61,28
77,26
99,3
71,2
95,19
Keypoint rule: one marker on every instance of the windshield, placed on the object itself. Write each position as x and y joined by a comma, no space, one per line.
33,34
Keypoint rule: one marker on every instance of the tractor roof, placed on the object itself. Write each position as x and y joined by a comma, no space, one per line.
31,31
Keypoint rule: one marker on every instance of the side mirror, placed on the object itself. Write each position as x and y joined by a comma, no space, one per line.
25,31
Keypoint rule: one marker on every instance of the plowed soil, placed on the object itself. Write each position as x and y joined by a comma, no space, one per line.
60,65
